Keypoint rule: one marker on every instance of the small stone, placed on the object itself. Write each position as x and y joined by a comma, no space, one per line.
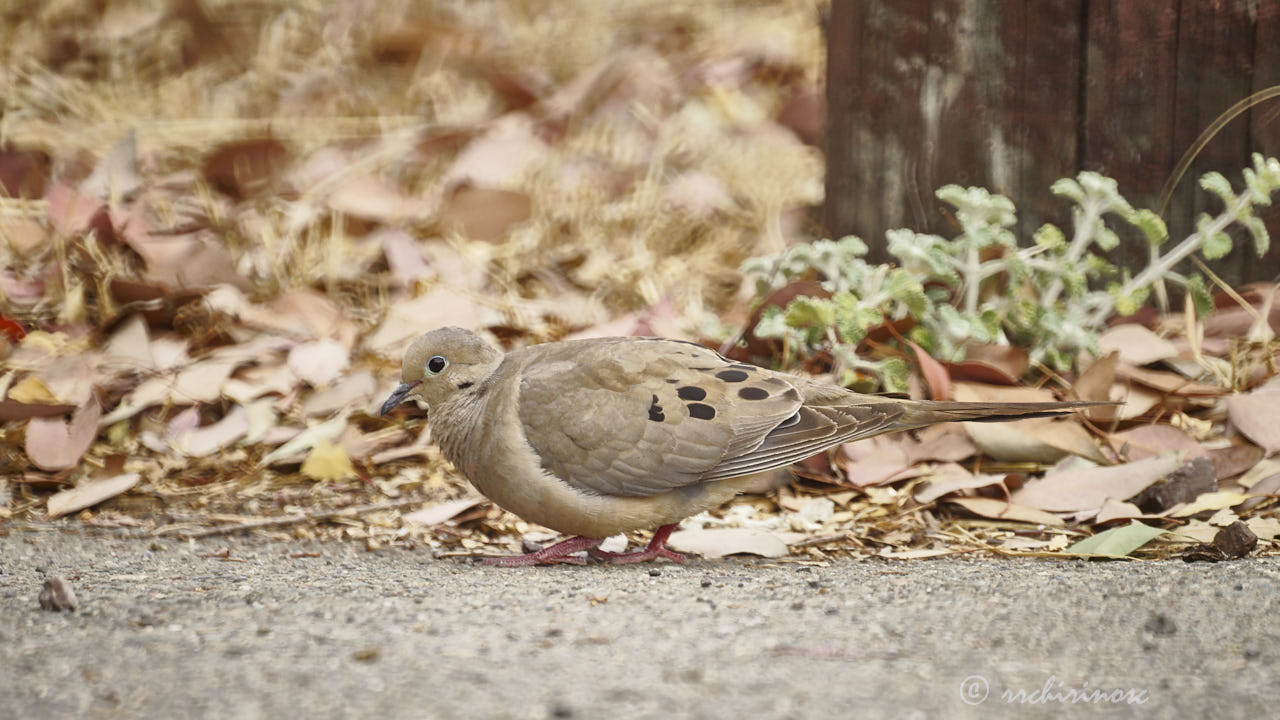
366,654
1161,624
1235,540
57,596
706,582
654,572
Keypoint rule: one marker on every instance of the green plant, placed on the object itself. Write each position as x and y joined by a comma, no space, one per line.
982,286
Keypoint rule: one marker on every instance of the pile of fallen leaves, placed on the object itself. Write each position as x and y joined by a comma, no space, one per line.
225,220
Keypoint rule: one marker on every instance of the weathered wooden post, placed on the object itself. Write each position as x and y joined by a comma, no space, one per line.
1013,95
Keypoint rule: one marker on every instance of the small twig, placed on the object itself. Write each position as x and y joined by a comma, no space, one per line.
299,518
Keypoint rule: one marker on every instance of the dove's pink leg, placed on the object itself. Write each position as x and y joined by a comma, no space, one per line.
561,552
656,548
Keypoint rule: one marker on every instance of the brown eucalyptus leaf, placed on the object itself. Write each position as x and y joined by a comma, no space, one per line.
1257,416
1089,488
1001,510
89,494
719,542
54,444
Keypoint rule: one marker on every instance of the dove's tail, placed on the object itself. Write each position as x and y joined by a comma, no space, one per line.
927,412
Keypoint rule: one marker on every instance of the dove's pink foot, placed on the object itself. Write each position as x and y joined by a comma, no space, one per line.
656,548
561,552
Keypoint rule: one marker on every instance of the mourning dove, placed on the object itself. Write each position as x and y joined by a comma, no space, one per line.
603,436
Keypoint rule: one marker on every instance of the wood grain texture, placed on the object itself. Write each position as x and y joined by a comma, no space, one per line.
1013,95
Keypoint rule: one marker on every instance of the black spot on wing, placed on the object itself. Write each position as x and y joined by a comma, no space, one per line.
655,411
691,392
753,393
465,385
701,411
673,381
732,375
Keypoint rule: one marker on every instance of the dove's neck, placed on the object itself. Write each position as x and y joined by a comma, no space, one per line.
456,425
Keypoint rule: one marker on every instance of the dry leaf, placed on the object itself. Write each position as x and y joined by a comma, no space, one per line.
73,214
1008,362
934,374
202,382
254,382
24,171
31,390
951,478
979,392
1118,510
353,391
698,193
1135,400
437,514
27,237
1089,488
404,257
1116,542
1146,441
1039,440
1233,460
247,168
442,306
501,159
152,391
130,345
90,494
1095,384
1264,528
371,198
1136,344
327,461
1168,382
484,214
52,444
327,431
115,178
318,362
718,542
209,439
1197,530
1211,501
197,259
1255,416
1001,510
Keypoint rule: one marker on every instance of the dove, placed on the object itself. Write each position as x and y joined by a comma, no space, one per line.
602,436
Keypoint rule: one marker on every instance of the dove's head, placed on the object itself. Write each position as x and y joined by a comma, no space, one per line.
441,363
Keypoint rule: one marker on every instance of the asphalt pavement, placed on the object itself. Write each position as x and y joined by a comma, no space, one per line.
249,628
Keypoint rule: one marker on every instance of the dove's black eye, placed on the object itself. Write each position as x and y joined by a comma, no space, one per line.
437,364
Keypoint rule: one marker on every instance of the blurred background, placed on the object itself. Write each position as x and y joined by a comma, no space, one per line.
226,219
223,220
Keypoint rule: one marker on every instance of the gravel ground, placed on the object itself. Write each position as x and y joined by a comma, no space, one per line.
169,629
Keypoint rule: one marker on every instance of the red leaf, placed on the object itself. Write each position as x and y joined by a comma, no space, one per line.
11,329
935,375
53,444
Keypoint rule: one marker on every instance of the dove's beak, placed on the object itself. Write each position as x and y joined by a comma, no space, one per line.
397,396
